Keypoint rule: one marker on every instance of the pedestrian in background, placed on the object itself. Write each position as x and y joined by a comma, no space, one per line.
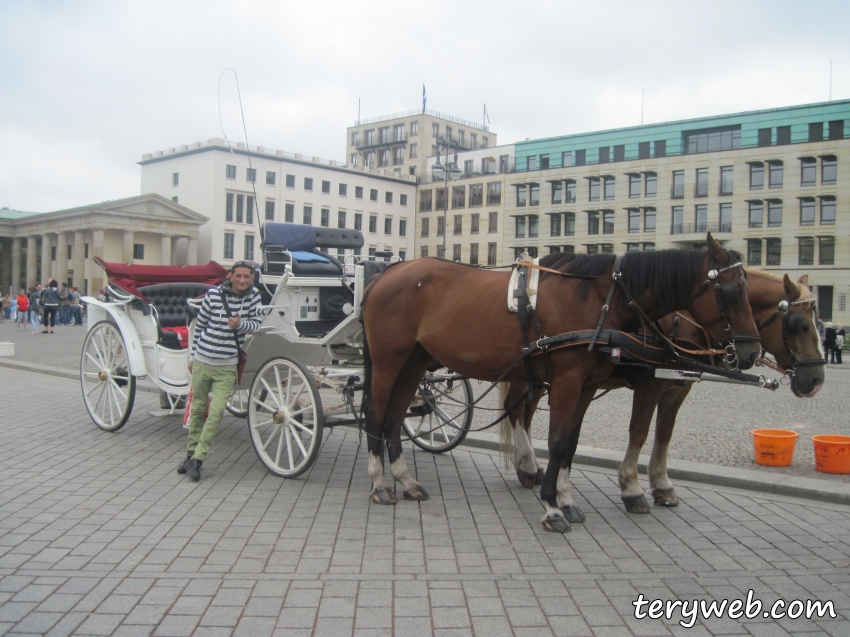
76,306
65,305
839,342
23,304
51,306
35,306
6,304
829,341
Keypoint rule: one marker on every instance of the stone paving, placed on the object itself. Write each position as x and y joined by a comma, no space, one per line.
100,536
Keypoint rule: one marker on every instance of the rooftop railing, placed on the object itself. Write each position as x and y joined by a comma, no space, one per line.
451,118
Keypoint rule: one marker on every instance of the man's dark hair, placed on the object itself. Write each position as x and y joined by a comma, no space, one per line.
242,264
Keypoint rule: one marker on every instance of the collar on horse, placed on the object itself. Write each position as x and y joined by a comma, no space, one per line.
792,325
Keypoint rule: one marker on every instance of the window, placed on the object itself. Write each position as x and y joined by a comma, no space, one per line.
827,211
593,222
774,178
806,254
774,251
520,196
358,221
493,222
783,135
505,163
808,171
271,178
494,194
425,200
458,196
388,225
567,158
87,251
70,252
373,223
249,247
402,227
678,189
836,129
373,194
619,152
230,172
476,195
753,251
228,207
632,247
249,210
353,159
473,253
485,141
534,198
557,192
555,225
228,245
701,218
442,199
634,220
290,181
325,218
643,150
650,185
774,213
53,253
138,251
307,218
520,227
826,254
706,141
756,214
816,132
756,176
474,223
661,148
607,222
308,183
414,152
425,227
384,134
174,199
423,251
384,159
678,220
370,159
829,170
240,208
593,249
355,138
593,189
604,154
175,179
532,226
491,254
340,219
807,212
402,200
532,162
326,187
289,213
634,186
701,189
544,162
456,252
414,128
649,220
388,197
372,254
609,188
569,224
269,210
725,217
398,155
726,174
402,254
251,174
441,226
765,138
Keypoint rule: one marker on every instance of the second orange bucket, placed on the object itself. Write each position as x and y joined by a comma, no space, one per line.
832,453
774,447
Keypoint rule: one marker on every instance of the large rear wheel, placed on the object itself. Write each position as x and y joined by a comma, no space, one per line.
108,387
238,403
441,414
285,417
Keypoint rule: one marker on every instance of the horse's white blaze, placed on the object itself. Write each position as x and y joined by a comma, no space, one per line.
628,474
376,472
524,459
401,474
563,488
658,467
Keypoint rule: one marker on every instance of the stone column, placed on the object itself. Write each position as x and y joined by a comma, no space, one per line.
6,266
192,252
165,250
175,241
79,255
62,258
46,261
32,261
128,247
16,264
96,282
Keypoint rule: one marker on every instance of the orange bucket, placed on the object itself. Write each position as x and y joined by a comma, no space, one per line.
774,447
832,453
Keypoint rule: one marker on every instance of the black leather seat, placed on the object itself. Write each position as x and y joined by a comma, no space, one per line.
280,240
171,300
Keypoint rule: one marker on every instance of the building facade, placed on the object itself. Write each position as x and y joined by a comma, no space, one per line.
773,184
149,230
241,189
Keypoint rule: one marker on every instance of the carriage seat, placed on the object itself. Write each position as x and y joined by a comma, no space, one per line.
172,307
305,244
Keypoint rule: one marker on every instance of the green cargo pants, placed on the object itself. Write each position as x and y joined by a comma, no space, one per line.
220,380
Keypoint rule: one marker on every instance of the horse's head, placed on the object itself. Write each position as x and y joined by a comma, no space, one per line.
791,335
721,306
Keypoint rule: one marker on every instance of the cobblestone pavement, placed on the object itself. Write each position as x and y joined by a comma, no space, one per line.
100,536
62,349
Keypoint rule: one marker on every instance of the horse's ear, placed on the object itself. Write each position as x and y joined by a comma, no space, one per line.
791,289
717,251
804,280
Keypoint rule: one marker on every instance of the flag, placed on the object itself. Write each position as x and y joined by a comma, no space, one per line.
486,116
424,99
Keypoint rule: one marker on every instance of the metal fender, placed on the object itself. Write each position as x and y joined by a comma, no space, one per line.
98,311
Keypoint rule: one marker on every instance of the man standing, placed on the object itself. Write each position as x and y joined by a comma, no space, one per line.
227,314
839,342
65,305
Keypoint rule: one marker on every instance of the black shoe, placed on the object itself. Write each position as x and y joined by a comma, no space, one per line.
194,469
184,466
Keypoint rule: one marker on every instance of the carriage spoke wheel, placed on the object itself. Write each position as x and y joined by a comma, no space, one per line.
441,414
285,417
238,403
108,387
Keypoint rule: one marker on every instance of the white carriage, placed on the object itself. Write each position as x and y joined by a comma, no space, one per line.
305,364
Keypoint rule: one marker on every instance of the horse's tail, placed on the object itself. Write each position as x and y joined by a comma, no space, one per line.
506,428
367,376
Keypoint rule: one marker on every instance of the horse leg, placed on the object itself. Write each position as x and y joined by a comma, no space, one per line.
514,437
530,408
568,506
644,401
659,484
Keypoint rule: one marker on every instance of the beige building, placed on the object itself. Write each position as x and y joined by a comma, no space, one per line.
148,229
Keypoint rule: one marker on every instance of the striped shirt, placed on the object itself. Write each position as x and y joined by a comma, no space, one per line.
213,342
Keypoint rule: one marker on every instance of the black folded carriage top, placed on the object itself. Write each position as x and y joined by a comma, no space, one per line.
306,245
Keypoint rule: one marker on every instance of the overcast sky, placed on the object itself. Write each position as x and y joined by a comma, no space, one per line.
87,87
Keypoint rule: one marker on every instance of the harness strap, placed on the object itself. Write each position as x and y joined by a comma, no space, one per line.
616,275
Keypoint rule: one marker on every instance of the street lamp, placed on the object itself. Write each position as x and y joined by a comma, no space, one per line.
445,172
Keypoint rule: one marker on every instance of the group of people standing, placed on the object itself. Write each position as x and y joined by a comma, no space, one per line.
51,305
833,342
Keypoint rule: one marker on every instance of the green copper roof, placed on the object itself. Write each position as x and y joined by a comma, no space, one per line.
5,213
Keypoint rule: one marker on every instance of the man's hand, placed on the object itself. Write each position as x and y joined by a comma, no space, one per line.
190,366
234,322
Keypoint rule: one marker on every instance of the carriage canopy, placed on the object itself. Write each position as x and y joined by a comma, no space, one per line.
132,277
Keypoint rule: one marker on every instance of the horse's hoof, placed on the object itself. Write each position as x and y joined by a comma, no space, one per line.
665,497
528,480
636,503
556,524
416,494
383,496
540,475
573,514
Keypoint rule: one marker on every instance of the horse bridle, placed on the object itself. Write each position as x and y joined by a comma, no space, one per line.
792,325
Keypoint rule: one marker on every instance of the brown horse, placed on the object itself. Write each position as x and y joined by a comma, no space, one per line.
428,309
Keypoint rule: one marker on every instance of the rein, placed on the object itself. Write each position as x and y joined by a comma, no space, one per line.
782,309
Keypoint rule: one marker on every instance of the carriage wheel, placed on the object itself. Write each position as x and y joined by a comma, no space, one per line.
285,417
441,414
238,403
108,387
